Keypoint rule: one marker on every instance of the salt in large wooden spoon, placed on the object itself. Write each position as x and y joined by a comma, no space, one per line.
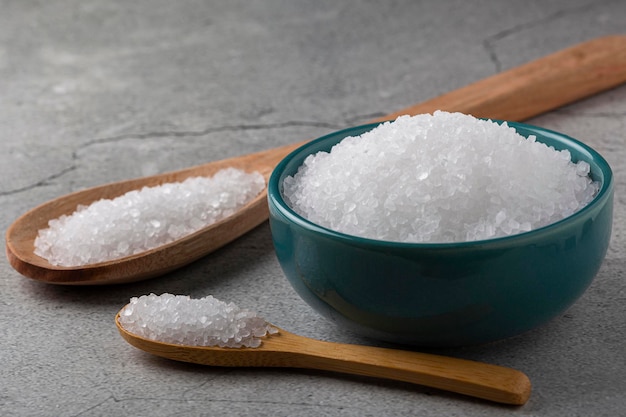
516,94
287,350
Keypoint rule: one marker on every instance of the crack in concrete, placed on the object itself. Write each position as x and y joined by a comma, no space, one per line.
489,42
95,406
207,131
41,183
164,134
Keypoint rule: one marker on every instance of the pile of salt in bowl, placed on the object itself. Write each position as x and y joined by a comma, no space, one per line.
182,320
440,178
145,219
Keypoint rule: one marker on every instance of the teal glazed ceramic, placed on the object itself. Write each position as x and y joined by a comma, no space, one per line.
447,294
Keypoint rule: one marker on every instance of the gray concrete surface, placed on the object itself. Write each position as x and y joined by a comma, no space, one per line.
97,91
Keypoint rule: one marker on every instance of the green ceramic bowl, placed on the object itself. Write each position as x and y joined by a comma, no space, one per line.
447,294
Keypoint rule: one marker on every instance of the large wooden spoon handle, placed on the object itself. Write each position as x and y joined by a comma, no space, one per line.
538,86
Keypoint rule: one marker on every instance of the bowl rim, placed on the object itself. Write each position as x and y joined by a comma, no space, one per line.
275,196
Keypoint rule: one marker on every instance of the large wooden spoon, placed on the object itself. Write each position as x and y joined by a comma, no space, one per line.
516,94
287,350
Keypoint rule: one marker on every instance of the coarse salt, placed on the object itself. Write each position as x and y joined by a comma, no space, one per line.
144,219
207,321
445,177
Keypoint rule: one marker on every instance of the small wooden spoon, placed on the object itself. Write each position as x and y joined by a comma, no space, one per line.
516,94
287,350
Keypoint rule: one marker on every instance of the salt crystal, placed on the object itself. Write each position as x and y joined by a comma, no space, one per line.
145,219
207,321
446,177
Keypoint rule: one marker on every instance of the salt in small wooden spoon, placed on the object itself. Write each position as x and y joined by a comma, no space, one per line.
516,94
287,350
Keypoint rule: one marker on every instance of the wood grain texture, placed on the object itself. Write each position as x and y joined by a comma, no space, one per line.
287,350
516,94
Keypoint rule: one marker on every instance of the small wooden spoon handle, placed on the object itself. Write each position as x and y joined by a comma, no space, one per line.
288,350
476,379
538,86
